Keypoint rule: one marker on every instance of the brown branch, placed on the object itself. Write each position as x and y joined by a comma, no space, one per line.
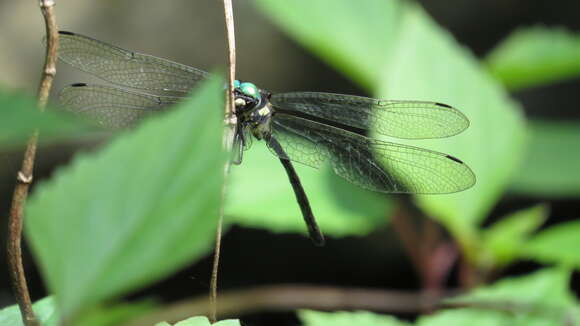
292,297
24,177
408,236
230,124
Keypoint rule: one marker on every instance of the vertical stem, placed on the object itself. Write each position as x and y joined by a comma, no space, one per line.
15,223
24,177
408,237
229,133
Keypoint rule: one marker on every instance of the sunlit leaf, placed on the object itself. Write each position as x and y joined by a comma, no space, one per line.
505,239
541,298
134,212
462,317
535,56
556,245
429,65
44,310
261,196
404,55
19,117
354,36
202,321
343,318
550,165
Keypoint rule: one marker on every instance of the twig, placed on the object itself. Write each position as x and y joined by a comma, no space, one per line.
24,177
229,133
408,236
292,297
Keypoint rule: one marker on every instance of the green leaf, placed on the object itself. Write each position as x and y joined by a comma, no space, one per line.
534,56
541,298
556,245
343,318
354,36
19,117
550,166
429,65
114,315
505,239
44,309
462,317
396,48
261,196
202,321
548,286
134,212
228,322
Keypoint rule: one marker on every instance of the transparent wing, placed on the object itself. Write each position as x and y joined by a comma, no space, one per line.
370,163
126,68
112,107
401,119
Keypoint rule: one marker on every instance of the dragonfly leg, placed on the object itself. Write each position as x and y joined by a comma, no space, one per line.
313,229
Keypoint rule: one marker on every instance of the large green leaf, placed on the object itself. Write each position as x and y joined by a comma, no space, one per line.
117,314
541,298
261,196
134,212
505,239
354,36
19,116
343,318
556,245
45,311
546,287
429,65
550,166
398,48
202,321
535,56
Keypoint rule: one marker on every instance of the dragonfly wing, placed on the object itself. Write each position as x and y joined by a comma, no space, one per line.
370,163
111,107
126,68
401,119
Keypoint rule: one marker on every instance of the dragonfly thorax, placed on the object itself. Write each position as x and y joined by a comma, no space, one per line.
252,108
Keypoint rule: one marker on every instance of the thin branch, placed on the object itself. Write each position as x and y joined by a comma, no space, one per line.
408,236
292,297
229,133
24,177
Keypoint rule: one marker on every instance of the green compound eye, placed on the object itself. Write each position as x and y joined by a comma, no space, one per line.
237,83
250,89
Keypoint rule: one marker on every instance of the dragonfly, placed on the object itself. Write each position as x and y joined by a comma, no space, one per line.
310,128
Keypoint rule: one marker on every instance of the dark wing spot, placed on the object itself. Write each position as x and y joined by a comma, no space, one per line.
454,159
66,33
443,105
78,85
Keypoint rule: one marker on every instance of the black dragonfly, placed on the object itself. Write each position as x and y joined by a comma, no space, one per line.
307,127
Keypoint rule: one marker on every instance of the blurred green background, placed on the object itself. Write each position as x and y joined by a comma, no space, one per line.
261,246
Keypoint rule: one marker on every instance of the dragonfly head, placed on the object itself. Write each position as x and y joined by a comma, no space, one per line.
247,96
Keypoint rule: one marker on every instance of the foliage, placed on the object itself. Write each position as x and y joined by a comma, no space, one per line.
549,165
202,321
19,116
536,56
44,309
147,203
505,240
556,245
419,62
542,298
100,228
